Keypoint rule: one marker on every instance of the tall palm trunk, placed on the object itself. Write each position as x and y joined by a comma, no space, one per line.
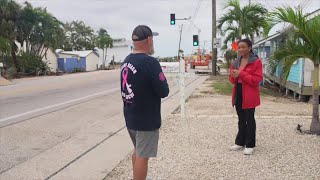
105,55
315,125
240,29
14,57
103,60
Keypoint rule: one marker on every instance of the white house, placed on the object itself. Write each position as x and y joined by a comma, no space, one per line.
51,58
121,49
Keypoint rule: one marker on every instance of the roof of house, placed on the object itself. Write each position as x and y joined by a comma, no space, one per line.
279,33
262,41
78,53
121,42
53,52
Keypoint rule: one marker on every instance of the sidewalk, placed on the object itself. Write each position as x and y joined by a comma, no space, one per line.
4,82
197,147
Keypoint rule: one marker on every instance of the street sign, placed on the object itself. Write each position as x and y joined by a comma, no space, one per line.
217,43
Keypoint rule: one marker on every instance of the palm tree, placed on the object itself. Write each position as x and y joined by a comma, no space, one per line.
104,41
79,36
9,14
39,30
4,45
233,33
5,48
304,42
247,21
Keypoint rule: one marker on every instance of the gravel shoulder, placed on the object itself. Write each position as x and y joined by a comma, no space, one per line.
197,147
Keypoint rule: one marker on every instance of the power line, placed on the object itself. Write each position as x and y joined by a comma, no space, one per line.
195,14
304,3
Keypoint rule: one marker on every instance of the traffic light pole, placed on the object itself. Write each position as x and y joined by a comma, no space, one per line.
214,35
185,18
180,42
180,36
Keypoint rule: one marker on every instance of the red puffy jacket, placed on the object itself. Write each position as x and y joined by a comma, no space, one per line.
251,77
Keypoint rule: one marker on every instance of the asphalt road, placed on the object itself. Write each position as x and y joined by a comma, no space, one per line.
32,94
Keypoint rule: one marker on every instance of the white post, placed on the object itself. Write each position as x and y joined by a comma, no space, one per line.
1,66
182,87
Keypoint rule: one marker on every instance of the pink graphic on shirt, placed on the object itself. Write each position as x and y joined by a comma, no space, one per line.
125,73
162,77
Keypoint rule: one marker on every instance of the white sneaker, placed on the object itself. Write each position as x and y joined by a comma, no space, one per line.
248,151
236,148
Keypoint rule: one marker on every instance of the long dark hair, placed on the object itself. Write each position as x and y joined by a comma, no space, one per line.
248,42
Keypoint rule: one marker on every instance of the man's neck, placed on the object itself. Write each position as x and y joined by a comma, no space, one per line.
137,51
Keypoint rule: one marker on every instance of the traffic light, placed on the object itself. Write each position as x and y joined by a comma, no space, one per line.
195,40
172,19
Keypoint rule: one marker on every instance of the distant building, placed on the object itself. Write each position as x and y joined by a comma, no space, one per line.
121,49
51,59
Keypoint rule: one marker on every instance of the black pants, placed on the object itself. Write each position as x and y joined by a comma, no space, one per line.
247,124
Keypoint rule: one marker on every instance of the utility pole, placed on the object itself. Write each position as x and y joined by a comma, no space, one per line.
172,22
113,62
249,2
214,35
180,43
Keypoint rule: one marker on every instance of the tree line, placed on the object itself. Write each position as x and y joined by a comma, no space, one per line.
37,30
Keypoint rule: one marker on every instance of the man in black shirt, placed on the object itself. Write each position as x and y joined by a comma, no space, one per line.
143,84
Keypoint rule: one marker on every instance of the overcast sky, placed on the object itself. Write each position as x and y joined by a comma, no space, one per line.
119,17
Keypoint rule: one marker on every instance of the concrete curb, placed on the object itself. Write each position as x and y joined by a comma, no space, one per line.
4,82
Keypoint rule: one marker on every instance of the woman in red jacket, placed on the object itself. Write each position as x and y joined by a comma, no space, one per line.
246,75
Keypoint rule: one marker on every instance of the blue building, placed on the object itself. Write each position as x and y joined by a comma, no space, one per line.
70,61
300,78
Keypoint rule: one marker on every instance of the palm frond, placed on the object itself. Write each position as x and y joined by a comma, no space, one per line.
287,54
225,19
235,4
293,16
232,36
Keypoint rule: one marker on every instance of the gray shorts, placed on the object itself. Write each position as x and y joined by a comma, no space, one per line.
145,142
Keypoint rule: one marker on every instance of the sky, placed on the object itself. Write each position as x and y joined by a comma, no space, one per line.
120,17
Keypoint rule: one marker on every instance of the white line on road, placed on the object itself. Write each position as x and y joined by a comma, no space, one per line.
41,111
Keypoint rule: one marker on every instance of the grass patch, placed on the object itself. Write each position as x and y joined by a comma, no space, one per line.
223,66
264,92
269,92
223,87
206,92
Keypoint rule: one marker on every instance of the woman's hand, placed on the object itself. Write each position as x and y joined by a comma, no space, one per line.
235,73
